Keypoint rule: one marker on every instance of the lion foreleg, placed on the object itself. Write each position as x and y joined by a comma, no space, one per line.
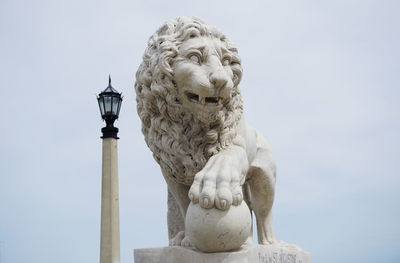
175,222
178,202
261,202
246,198
261,180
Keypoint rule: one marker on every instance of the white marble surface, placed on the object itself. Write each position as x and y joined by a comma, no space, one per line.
247,254
213,230
191,109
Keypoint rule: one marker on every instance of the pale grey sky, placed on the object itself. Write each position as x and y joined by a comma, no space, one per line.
320,82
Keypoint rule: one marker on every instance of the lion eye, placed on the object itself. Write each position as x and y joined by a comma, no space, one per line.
226,61
195,58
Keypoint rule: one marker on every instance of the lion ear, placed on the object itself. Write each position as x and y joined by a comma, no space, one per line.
163,30
167,29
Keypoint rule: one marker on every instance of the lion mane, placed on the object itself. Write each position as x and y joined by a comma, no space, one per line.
180,142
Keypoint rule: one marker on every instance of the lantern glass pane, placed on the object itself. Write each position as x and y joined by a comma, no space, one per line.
115,105
107,104
119,105
101,105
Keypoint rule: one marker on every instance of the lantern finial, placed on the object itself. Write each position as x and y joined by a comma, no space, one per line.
109,79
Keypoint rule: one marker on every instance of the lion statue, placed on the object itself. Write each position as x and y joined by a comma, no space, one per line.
192,119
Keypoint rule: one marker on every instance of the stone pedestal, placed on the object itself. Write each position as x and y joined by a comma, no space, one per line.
253,253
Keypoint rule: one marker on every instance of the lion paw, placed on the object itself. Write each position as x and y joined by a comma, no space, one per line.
219,183
186,242
289,246
176,241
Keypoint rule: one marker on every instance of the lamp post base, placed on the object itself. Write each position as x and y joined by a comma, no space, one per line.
109,132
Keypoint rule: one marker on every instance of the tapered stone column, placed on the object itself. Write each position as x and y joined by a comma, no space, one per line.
109,103
109,244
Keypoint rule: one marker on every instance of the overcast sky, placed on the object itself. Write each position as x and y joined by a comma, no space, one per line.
320,81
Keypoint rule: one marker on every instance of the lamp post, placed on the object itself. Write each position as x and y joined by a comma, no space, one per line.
109,103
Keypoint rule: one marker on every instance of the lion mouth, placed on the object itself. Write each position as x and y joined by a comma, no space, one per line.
208,101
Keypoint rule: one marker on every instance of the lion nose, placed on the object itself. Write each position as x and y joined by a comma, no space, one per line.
220,81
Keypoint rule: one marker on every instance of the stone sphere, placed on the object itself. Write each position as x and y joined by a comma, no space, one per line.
214,230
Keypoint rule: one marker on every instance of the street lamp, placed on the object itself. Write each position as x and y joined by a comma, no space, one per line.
109,103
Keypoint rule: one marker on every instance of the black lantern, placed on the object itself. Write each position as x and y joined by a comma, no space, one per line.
109,104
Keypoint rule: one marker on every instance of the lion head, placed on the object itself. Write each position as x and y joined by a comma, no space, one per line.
187,95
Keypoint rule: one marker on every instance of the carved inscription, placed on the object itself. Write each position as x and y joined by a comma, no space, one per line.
277,258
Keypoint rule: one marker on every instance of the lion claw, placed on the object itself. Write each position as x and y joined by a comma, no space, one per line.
186,242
